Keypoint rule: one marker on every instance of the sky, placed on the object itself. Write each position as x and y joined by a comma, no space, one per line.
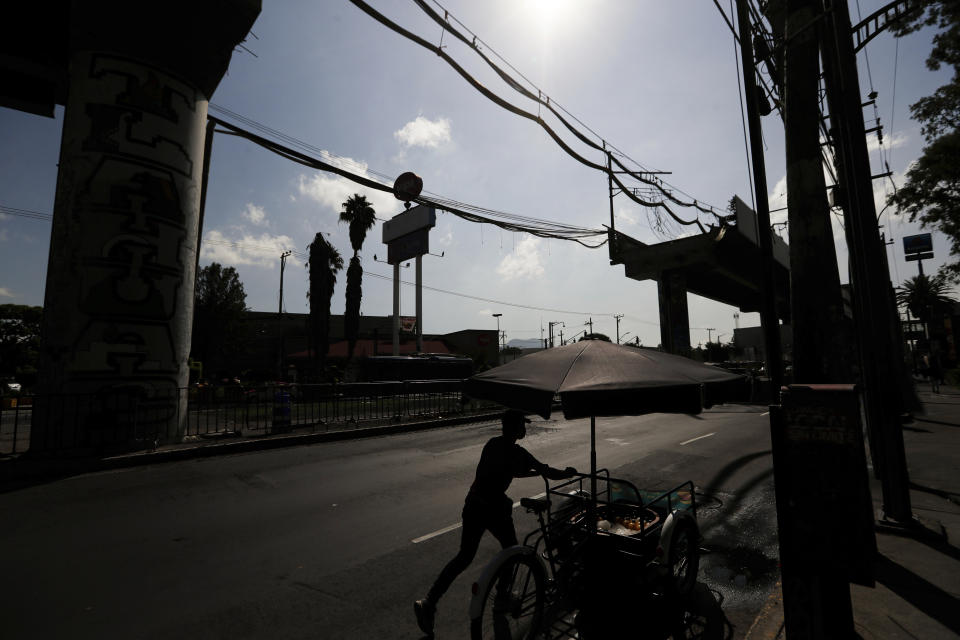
657,80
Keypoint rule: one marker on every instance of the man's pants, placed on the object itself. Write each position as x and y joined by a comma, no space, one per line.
477,517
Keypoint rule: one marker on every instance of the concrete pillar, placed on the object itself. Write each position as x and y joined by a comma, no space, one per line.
118,304
674,317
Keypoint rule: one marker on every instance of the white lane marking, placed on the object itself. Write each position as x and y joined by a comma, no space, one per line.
618,441
765,413
454,527
697,438
438,532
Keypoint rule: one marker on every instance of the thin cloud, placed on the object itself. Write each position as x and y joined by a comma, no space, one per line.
256,215
627,216
892,142
524,263
444,236
257,251
777,198
6,293
331,190
426,133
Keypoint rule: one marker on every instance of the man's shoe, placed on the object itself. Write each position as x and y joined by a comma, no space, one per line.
424,611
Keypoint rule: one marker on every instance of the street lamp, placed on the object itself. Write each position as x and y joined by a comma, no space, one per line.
497,316
551,325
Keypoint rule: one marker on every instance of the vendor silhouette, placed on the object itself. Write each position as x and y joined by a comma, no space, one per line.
487,506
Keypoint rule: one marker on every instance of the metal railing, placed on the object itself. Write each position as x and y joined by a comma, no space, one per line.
134,418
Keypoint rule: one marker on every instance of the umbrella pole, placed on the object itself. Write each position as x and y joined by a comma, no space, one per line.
593,461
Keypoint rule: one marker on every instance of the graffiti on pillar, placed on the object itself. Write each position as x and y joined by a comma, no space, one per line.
124,245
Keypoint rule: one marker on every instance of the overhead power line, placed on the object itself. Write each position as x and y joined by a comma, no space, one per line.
269,249
490,300
541,228
24,213
496,99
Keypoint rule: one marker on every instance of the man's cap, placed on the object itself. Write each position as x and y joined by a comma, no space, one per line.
512,415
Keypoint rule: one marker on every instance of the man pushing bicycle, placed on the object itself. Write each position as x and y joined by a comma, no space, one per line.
487,506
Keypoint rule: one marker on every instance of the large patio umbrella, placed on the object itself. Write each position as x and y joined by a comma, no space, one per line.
598,378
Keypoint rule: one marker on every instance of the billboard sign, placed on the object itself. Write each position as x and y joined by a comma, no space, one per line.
408,246
919,243
416,218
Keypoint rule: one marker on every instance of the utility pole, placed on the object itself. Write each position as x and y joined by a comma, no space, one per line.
872,297
550,331
590,322
816,597
709,333
396,308
419,297
768,309
283,265
617,318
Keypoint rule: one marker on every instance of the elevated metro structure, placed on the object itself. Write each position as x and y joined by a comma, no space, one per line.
722,264
135,80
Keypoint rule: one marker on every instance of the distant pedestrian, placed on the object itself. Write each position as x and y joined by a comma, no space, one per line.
487,507
935,370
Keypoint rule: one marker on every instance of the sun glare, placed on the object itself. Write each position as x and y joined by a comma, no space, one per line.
551,17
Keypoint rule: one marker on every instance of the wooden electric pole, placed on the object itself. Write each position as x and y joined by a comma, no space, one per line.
875,312
768,310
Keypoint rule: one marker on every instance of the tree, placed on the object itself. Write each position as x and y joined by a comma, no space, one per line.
361,217
932,189
924,294
595,336
19,342
219,317
324,263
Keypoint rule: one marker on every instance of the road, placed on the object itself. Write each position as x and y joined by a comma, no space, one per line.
317,541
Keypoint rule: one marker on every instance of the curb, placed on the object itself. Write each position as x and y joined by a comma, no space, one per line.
38,469
768,624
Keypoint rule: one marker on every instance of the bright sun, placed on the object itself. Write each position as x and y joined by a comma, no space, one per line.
551,17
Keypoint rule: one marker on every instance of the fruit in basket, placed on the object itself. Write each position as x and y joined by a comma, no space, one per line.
604,524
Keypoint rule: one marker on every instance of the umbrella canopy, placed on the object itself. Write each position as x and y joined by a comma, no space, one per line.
599,378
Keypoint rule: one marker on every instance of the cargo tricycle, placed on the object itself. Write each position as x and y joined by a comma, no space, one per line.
593,564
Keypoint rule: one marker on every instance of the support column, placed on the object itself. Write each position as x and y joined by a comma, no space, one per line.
674,316
118,305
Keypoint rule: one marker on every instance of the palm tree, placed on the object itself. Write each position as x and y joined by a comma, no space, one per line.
324,263
359,214
922,294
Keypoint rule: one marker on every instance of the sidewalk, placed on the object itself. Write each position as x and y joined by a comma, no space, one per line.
917,571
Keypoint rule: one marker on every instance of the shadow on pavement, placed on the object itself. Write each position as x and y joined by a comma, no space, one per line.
925,596
731,467
940,493
657,617
927,420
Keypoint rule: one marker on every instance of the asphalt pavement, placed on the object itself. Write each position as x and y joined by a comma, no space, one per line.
331,538
336,539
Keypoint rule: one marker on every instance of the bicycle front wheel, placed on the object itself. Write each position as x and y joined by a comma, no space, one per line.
512,601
